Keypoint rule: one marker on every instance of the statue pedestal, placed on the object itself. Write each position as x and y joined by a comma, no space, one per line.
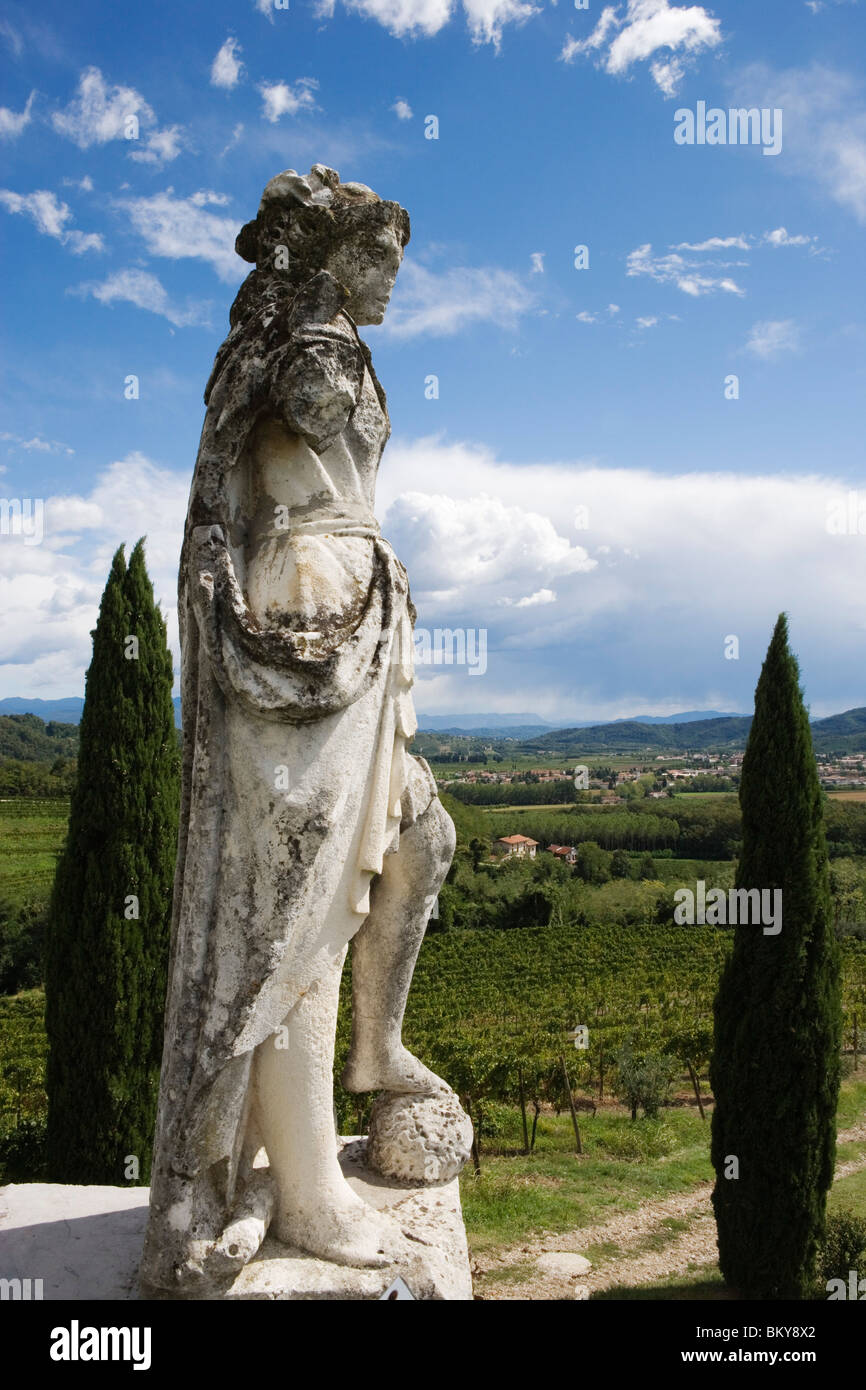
436,1268
85,1243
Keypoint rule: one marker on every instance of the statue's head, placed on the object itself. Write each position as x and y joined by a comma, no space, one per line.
307,223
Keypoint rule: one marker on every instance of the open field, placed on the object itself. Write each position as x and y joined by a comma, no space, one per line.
641,1216
31,835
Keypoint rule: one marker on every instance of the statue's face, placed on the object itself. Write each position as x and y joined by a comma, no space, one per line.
368,270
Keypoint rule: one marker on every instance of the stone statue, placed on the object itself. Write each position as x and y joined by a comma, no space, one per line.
305,821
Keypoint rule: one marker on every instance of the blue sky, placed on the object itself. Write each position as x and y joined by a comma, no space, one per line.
560,389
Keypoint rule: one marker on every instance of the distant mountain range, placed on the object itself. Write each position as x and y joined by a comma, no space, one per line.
842,733
63,711
525,726
695,730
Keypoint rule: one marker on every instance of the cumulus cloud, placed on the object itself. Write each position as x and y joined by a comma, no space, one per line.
177,228
640,623
12,123
825,125
402,110
281,99
160,147
99,111
227,67
537,259
773,338
486,19
688,276
146,291
50,592
50,216
643,28
634,628
442,304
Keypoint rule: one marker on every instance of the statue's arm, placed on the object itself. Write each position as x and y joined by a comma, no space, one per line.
317,377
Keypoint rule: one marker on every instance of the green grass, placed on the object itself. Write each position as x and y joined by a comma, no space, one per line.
31,835
555,1190
624,1165
849,1192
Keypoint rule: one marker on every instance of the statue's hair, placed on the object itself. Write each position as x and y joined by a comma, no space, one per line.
310,215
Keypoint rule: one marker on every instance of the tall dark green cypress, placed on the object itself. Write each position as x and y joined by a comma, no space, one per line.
107,954
778,1027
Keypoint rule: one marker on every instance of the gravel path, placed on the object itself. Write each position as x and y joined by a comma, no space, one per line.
629,1231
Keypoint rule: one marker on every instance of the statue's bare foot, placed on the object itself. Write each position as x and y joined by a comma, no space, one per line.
343,1228
391,1069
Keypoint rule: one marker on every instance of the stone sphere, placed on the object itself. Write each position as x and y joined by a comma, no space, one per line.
419,1139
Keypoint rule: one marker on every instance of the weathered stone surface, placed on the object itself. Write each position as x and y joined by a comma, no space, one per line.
85,1243
305,822
416,1139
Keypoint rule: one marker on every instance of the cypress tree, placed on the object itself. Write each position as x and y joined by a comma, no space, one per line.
778,1030
108,943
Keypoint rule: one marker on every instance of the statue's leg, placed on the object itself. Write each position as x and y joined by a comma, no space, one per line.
316,1210
384,953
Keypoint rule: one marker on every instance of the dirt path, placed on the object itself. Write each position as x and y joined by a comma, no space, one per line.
632,1263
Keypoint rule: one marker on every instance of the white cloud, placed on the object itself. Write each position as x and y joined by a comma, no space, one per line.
13,122
613,309
492,548
649,322
442,304
146,291
50,217
586,317
280,99
487,18
641,624
773,337
50,593
227,67
12,37
537,259
623,37
160,147
181,227
635,628
84,185
402,110
688,276
99,111
825,125
780,237
714,243
405,17
37,444
531,600
234,140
